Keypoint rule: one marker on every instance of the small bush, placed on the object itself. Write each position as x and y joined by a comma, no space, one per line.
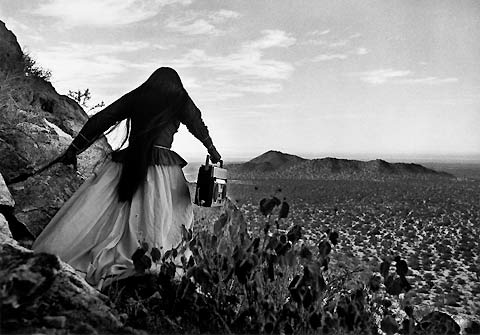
83,98
32,69
16,82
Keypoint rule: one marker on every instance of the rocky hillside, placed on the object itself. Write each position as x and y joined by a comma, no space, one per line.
41,294
36,126
278,165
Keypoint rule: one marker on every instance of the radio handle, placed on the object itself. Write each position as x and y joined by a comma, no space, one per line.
207,161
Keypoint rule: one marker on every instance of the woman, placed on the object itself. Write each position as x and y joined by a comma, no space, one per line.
141,195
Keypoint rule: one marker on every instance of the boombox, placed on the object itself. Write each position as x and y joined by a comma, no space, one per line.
211,185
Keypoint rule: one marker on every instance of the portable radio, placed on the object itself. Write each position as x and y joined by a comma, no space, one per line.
211,185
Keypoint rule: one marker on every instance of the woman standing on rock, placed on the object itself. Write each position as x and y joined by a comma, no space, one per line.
141,195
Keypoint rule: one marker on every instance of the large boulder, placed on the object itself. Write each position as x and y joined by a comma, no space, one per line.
437,323
4,229
6,204
36,126
42,294
12,227
6,198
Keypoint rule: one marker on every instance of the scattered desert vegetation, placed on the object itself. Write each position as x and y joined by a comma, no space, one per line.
433,225
330,257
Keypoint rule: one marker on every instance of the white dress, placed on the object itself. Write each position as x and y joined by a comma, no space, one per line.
97,234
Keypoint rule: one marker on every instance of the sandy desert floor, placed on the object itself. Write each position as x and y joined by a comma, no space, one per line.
433,225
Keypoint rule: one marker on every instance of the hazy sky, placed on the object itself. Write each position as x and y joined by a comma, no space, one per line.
351,79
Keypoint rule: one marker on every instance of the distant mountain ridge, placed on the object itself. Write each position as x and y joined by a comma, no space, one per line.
271,161
279,165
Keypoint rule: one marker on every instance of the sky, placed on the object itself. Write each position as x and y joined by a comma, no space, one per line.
349,79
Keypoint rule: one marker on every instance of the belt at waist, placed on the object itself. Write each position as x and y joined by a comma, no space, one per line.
159,155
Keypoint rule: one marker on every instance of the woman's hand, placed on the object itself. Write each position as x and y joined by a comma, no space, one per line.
214,155
69,157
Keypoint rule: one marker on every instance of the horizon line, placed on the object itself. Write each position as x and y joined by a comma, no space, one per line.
438,158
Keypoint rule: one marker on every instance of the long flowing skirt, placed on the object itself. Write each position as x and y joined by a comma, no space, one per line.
97,234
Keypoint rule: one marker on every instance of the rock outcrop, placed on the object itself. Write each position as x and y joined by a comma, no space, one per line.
42,294
6,198
437,323
36,126
6,204
11,227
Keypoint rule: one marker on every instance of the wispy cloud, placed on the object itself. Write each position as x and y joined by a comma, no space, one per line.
80,65
195,27
329,40
361,51
224,14
318,32
314,42
338,44
200,23
382,76
327,57
429,80
103,12
99,72
316,37
250,63
88,50
19,27
247,70
271,39
354,36
331,55
222,87
273,106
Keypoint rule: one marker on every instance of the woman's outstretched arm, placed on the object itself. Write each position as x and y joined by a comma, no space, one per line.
192,118
101,122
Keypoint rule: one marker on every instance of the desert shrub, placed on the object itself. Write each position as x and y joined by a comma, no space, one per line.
222,280
16,79
32,69
83,97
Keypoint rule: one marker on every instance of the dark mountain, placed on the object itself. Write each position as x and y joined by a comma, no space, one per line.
276,158
278,165
269,162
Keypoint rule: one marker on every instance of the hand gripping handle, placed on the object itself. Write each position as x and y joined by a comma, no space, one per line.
207,162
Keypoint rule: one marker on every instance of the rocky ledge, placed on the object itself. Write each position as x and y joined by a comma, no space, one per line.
42,294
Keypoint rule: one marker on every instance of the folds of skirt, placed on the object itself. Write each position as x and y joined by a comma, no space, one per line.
97,234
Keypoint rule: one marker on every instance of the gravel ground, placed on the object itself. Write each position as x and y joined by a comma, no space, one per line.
434,225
